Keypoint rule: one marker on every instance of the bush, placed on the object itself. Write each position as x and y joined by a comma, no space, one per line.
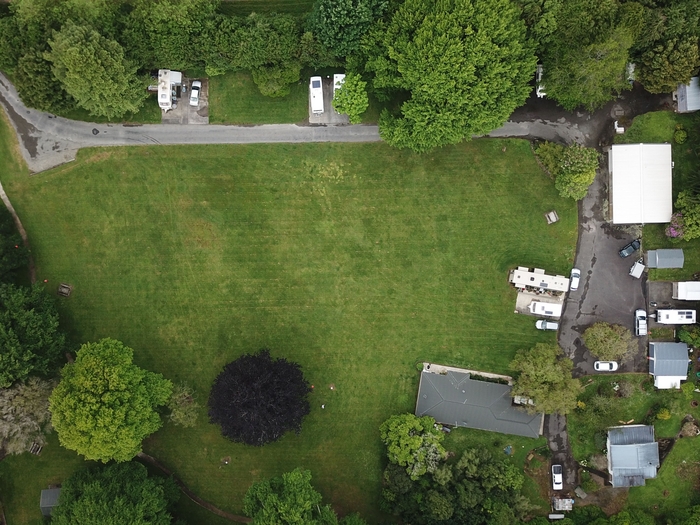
680,136
627,389
690,335
351,98
663,414
688,389
573,167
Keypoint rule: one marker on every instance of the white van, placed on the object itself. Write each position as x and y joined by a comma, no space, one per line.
316,95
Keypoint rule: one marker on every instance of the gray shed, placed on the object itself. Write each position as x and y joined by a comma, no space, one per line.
633,455
49,499
666,258
455,399
689,96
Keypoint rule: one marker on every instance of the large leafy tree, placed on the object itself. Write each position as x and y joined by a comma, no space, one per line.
95,72
462,65
287,500
14,255
168,33
24,415
340,24
544,375
609,342
413,442
256,399
351,98
30,341
586,55
105,405
668,64
573,167
476,489
114,495
37,86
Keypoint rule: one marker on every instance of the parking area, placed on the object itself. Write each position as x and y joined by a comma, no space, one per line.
607,292
186,114
329,115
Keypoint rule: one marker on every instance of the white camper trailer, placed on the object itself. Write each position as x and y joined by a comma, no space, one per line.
687,291
167,84
676,316
316,95
546,309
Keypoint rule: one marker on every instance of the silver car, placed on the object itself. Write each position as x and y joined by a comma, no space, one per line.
640,322
605,366
575,279
194,94
557,477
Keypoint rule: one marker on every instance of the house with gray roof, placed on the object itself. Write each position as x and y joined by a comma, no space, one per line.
668,363
666,258
452,397
633,455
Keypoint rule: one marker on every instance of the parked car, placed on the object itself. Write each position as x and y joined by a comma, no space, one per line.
605,366
575,279
557,477
542,324
640,322
194,95
539,86
630,248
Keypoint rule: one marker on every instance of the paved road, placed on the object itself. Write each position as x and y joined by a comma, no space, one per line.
47,141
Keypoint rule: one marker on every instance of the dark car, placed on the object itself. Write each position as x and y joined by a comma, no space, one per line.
630,248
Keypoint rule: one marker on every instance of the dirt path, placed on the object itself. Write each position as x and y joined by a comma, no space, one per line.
199,501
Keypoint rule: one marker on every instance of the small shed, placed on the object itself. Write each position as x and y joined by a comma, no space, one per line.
666,258
49,499
688,96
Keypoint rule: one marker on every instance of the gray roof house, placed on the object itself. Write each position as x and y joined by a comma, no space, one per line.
451,397
668,363
633,455
49,499
665,258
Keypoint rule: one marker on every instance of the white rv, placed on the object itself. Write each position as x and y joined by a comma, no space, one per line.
546,309
687,291
167,84
316,95
675,316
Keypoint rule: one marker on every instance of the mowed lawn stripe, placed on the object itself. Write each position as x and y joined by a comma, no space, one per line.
355,260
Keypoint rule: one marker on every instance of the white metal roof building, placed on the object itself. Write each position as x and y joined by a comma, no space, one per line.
633,455
688,96
668,363
641,183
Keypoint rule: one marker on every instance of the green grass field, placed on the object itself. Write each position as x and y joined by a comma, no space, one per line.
245,7
659,126
355,260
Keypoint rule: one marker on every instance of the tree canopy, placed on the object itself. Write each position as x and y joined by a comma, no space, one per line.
463,65
256,399
287,500
24,415
114,495
351,98
341,24
476,489
609,342
30,341
14,255
544,375
413,442
105,405
573,167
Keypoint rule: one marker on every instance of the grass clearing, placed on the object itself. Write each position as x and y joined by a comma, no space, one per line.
150,113
656,127
676,485
235,99
587,426
355,260
245,7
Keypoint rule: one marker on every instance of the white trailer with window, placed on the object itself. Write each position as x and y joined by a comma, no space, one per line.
167,86
687,291
546,309
676,316
316,95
